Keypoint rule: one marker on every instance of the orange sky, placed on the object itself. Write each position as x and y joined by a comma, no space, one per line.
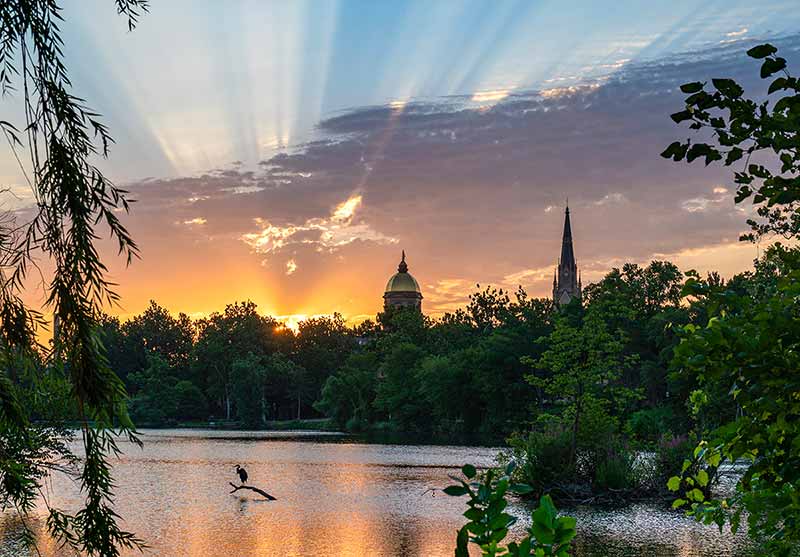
292,174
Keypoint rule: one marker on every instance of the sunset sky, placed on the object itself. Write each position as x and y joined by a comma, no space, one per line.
285,152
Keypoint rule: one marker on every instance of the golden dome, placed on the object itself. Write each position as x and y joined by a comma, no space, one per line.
402,281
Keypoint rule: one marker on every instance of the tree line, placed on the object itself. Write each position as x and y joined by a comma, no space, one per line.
493,367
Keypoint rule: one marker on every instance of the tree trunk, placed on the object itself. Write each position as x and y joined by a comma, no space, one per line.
298,405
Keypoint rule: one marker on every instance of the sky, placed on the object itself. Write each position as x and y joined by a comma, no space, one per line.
286,152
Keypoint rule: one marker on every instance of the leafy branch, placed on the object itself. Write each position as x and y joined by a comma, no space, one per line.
62,135
548,536
743,128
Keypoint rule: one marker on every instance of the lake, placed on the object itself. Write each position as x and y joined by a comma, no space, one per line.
335,497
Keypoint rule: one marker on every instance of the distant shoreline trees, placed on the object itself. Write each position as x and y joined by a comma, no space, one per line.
486,370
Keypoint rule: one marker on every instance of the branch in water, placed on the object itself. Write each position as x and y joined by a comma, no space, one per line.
259,491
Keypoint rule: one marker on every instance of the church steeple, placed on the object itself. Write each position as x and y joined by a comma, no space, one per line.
567,254
567,283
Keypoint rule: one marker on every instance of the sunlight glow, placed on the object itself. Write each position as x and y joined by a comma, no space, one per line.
195,221
490,96
345,211
328,234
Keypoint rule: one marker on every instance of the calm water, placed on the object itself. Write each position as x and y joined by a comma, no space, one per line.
335,497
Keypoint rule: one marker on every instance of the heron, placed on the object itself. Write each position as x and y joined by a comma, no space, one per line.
242,473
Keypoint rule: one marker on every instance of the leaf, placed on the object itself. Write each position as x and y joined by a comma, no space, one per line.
510,467
679,117
777,85
674,483
567,523
771,66
733,155
728,87
521,489
546,502
462,542
692,87
455,490
469,471
473,514
761,51
696,495
702,478
678,503
676,151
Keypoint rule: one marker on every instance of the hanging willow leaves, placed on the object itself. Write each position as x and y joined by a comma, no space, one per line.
60,138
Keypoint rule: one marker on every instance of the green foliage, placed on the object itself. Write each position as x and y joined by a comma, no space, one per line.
190,402
322,346
617,471
488,523
580,370
161,398
61,136
397,396
544,458
749,348
743,127
224,338
154,330
648,425
248,390
348,395
671,453
744,351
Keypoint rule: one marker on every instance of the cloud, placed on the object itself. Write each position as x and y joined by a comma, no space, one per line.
490,96
527,276
446,295
611,198
240,190
718,200
346,209
327,234
196,221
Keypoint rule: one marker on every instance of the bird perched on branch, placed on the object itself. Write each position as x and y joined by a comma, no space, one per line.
242,473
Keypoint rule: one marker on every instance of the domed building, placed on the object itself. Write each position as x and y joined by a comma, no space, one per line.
402,290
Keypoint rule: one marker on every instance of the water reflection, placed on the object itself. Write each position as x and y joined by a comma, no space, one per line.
336,497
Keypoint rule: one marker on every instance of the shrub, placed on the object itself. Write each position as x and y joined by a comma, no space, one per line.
617,471
671,452
544,457
648,425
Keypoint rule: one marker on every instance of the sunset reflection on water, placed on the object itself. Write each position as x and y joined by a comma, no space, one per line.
335,498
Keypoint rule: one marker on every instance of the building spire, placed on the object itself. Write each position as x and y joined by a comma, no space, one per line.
403,267
568,283
567,254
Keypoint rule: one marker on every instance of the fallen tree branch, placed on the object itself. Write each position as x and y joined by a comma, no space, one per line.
251,488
